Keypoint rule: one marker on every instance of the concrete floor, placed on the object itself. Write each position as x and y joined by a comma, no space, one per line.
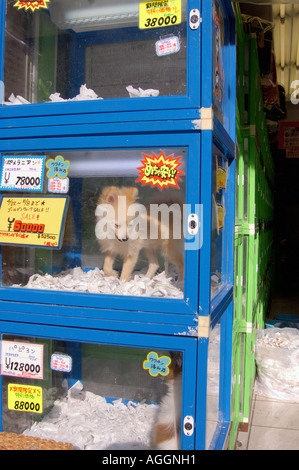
274,424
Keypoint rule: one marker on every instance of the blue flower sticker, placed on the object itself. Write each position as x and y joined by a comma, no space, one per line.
58,167
157,365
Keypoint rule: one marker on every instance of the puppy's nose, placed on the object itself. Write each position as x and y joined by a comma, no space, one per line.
122,239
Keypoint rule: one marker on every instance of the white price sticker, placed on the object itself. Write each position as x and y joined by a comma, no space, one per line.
22,359
24,173
61,362
167,46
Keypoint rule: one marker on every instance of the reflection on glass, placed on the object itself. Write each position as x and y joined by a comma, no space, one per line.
122,233
218,56
219,197
89,50
90,395
213,384
221,83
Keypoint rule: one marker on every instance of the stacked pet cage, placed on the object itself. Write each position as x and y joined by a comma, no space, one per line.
117,116
254,230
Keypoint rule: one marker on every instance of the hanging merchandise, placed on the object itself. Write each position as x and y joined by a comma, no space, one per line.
264,31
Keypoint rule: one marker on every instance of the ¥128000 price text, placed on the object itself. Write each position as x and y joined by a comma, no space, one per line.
22,367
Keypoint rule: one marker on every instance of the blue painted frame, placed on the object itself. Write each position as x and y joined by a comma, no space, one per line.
220,307
139,309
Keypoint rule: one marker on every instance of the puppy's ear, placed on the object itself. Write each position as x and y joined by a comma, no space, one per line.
110,194
134,192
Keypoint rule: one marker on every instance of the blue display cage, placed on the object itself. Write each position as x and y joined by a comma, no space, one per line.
172,139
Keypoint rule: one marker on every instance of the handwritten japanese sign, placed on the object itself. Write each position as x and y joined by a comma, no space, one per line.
157,365
159,13
22,173
32,221
22,359
57,167
58,185
160,171
21,397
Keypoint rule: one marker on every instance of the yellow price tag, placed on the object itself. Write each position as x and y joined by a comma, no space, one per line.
220,216
23,397
159,13
32,221
221,178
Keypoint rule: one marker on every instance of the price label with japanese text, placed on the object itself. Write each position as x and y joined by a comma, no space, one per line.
159,13
32,221
21,397
23,173
157,365
22,359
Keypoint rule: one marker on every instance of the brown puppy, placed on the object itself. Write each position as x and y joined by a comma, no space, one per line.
121,232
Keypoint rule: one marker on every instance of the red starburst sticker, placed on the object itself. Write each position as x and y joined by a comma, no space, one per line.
31,4
160,171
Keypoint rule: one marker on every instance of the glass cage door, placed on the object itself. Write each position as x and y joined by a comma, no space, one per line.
74,50
100,222
220,201
92,396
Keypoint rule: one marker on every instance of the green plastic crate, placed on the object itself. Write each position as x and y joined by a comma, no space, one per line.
253,227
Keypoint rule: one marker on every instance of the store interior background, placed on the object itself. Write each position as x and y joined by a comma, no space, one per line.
285,17
273,423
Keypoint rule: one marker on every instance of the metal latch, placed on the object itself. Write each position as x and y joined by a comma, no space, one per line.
188,425
192,224
194,19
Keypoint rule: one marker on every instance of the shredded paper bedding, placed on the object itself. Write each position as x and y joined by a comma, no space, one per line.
89,422
96,282
84,94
